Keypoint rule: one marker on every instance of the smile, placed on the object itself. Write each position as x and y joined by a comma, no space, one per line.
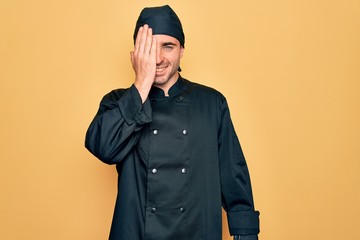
160,69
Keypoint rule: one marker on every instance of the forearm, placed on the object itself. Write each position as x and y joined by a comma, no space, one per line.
115,129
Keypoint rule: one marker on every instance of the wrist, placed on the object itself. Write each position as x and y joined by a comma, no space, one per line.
143,90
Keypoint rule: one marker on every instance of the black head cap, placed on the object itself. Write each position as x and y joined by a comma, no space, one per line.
162,20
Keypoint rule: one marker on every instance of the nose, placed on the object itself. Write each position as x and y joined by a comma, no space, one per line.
159,56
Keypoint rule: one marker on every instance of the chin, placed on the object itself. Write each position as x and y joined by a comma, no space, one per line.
161,80
165,78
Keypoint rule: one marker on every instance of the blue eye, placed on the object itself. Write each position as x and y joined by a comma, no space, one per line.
168,47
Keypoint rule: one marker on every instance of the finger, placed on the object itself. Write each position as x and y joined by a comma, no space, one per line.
149,39
143,39
137,41
153,48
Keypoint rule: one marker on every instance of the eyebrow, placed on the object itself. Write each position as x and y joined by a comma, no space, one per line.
168,44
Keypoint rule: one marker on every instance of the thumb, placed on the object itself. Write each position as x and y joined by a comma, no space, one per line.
131,56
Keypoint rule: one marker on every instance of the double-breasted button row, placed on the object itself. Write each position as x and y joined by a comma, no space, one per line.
153,210
156,132
154,171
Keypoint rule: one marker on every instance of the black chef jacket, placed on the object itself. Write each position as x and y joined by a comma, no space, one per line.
178,160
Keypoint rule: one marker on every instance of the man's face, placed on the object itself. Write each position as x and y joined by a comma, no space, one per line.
168,54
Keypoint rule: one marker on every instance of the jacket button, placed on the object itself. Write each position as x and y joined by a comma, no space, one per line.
153,210
183,170
154,170
155,132
182,209
184,131
180,98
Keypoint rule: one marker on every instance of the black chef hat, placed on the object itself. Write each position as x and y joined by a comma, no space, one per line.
162,20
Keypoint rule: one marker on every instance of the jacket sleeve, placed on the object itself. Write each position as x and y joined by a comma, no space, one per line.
116,128
236,189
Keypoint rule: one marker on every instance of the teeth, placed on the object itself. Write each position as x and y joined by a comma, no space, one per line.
159,69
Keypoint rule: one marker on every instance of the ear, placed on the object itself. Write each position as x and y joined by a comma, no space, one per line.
182,49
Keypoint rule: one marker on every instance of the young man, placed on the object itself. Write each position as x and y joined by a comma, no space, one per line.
175,149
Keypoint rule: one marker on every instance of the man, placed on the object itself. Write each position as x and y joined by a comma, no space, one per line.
175,149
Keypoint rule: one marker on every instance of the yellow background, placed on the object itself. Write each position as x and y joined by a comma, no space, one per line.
289,69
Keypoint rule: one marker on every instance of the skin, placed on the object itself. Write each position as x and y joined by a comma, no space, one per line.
155,60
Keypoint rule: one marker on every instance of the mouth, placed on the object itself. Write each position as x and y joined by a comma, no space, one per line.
160,69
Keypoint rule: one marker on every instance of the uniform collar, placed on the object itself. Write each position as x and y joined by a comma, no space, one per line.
174,90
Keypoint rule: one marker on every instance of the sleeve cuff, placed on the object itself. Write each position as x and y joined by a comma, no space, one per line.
249,237
243,223
132,108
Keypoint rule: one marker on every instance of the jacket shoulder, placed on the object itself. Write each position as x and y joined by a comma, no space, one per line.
201,90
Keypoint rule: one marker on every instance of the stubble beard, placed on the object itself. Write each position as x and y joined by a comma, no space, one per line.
163,80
